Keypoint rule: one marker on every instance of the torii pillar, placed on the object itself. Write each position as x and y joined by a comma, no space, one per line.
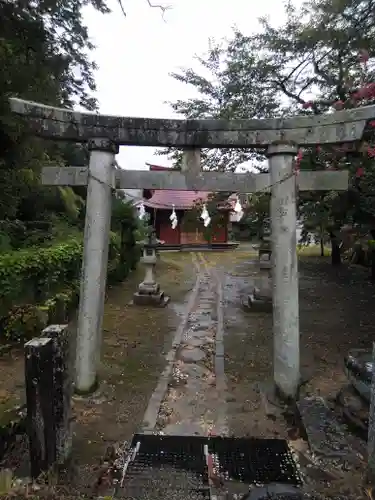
94,261
285,297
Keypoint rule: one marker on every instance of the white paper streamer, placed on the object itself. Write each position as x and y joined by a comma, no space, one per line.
173,218
207,221
205,216
141,211
238,207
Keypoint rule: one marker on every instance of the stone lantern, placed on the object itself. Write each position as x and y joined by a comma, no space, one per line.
261,297
149,292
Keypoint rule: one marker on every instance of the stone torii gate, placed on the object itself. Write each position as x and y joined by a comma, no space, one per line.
280,137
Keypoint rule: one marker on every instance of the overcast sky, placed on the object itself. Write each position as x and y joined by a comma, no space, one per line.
136,53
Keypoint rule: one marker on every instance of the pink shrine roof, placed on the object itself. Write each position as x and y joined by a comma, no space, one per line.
182,200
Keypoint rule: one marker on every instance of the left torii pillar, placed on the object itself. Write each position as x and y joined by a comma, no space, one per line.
94,263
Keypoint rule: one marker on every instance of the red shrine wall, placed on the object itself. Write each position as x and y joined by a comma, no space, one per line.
193,238
164,229
176,236
220,235
168,235
197,238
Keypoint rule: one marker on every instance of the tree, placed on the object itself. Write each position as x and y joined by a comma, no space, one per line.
257,212
318,61
323,51
43,56
223,97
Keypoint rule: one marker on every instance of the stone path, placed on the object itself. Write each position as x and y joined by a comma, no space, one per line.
190,396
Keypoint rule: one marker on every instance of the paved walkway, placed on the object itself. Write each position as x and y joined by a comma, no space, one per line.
190,396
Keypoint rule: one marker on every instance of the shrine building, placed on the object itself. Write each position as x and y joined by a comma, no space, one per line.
159,204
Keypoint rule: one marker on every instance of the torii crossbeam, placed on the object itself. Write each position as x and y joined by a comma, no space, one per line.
204,181
104,134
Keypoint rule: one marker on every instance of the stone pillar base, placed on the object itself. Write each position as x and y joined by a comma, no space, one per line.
255,303
263,293
151,299
265,264
148,288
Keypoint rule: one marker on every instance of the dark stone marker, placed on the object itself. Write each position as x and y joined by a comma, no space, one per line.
48,373
63,366
40,404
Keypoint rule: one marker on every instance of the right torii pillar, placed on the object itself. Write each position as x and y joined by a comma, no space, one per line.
286,354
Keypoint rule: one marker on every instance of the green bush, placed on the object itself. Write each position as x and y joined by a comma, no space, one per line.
16,234
39,286
32,275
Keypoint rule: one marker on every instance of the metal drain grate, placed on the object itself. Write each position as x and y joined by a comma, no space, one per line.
276,492
167,466
255,461
162,482
176,464
180,452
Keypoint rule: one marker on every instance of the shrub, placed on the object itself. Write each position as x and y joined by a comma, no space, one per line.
22,323
32,275
15,234
39,286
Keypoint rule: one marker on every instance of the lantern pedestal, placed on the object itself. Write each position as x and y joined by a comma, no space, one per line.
149,293
260,300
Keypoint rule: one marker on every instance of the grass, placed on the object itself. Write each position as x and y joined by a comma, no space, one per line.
176,260
312,251
249,249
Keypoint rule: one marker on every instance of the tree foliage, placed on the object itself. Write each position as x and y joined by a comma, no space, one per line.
321,59
44,56
257,212
222,89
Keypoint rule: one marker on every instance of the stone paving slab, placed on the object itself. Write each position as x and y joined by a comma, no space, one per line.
193,402
191,354
327,438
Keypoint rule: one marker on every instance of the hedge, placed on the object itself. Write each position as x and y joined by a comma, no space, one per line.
39,286
17,234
